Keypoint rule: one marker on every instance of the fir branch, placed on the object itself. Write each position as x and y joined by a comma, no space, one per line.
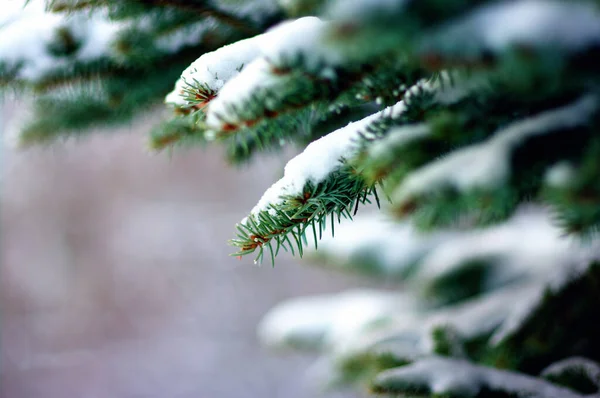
306,195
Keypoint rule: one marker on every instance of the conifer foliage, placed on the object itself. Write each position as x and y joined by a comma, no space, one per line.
473,125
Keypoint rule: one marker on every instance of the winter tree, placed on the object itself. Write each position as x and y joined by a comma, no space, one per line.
472,125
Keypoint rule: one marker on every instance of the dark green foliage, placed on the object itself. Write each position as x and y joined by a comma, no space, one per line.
447,341
64,43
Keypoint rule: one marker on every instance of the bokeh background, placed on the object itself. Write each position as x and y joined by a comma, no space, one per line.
116,276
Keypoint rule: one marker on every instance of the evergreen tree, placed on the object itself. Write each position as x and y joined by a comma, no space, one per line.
473,124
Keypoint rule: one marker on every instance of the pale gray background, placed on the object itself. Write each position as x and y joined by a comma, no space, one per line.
116,280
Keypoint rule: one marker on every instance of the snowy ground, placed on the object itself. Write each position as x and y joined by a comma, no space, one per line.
116,280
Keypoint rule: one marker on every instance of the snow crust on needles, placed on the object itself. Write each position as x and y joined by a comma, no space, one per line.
284,41
215,68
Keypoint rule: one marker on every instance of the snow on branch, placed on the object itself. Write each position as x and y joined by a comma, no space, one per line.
406,334
458,378
211,71
260,95
320,182
200,81
319,160
294,70
316,183
487,165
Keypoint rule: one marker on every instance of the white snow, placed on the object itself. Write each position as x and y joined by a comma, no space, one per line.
406,332
305,37
215,68
324,156
13,10
239,91
278,47
486,165
458,377
560,174
479,315
475,317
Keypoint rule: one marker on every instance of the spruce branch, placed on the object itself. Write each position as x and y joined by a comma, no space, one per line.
298,215
310,191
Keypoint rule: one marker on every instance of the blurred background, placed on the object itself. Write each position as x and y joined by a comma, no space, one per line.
117,280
